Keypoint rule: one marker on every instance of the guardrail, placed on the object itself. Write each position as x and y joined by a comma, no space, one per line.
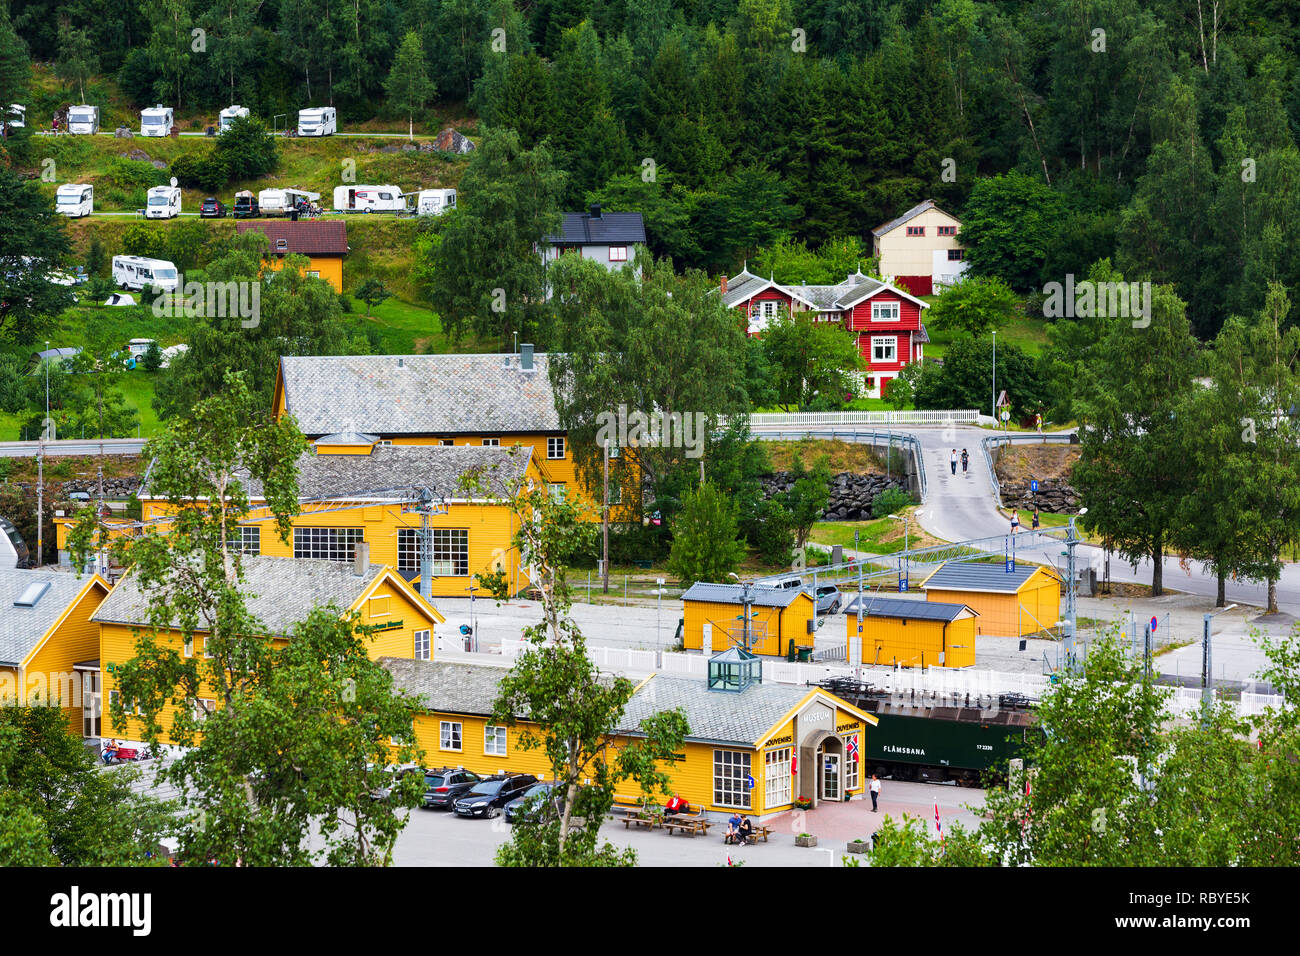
994,441
964,416
890,440
72,446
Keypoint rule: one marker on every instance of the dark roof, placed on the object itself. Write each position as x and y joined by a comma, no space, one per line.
981,577
315,238
907,217
610,229
917,610
735,594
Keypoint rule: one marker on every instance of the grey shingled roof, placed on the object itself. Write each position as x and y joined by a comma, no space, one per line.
447,687
612,228
283,591
980,577
437,467
21,628
907,217
743,286
734,594
392,395
714,716
907,608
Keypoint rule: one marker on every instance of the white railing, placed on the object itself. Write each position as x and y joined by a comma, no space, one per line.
965,416
687,665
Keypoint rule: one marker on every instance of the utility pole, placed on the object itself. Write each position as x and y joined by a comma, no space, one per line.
40,500
604,531
995,374
1071,598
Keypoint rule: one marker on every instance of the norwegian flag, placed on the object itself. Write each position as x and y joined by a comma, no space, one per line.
853,747
938,824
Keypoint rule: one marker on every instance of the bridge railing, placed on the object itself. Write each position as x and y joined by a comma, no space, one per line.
995,443
72,446
963,416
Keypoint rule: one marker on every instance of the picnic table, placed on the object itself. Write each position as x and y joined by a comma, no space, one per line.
641,818
761,831
694,825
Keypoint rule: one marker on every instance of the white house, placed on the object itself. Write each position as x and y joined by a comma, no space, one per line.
919,250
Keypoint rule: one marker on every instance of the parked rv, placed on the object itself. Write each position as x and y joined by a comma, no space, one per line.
164,202
281,202
368,199
156,121
75,200
320,121
83,120
15,117
434,202
139,273
229,115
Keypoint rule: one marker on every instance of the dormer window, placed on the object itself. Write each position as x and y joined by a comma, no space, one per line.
281,245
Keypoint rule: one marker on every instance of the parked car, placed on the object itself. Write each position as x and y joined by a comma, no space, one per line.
395,776
246,206
530,802
212,208
488,796
828,598
442,787
784,584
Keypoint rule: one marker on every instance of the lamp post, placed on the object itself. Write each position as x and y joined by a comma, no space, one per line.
995,374
902,581
1207,669
1071,610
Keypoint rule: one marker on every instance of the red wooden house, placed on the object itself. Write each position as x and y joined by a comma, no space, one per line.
886,319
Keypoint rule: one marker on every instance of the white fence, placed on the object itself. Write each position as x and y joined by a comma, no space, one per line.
966,416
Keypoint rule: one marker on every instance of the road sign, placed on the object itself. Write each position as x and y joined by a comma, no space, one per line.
1006,415
1033,485
1153,625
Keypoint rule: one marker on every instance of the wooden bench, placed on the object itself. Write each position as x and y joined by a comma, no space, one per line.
124,753
640,820
695,826
625,804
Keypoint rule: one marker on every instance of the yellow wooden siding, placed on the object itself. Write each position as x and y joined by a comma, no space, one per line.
74,638
471,756
329,267
395,641
1010,615
913,642
780,625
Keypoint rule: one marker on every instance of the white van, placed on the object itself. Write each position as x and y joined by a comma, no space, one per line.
139,273
280,202
369,199
164,202
75,200
434,202
156,121
320,121
83,120
137,348
229,115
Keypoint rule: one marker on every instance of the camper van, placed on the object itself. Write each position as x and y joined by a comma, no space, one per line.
75,200
16,117
368,199
321,121
164,202
434,202
139,273
228,116
83,120
280,202
156,121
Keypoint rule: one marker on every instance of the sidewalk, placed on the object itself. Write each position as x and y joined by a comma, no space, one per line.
835,823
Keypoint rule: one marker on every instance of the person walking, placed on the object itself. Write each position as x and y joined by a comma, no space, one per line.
875,792
953,461
965,461
1035,517
1038,422
1015,521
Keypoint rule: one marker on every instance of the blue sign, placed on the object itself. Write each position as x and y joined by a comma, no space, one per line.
749,781
902,583
1033,486
1153,625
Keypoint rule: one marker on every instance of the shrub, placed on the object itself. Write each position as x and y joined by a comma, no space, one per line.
139,239
246,150
890,501
133,173
206,171
771,533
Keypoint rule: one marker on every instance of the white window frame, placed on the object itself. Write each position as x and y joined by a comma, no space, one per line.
618,253
249,540
203,707
778,781
329,544
491,442
498,737
447,552
554,445
207,653
446,735
422,644
375,605
880,341
730,768
879,308
770,309
188,646
557,490
851,777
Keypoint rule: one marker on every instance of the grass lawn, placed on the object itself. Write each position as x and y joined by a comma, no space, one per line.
1027,332
408,329
879,536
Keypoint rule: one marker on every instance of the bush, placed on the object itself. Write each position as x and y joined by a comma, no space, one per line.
139,239
890,501
152,358
246,150
206,171
771,533
133,173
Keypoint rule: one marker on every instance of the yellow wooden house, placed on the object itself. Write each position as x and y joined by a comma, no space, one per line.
323,242
911,633
714,616
1009,603
282,592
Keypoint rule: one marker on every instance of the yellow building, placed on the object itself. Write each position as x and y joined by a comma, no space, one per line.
283,592
792,741
324,243
714,616
1009,603
912,633
47,640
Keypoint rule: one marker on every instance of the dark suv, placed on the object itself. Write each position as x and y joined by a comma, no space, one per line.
442,787
488,796
246,207
212,208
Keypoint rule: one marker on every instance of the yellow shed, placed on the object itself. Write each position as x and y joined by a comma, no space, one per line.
1010,603
778,616
912,633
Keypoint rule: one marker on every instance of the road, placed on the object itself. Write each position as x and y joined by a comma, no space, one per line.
72,446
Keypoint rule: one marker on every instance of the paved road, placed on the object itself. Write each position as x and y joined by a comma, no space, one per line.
72,446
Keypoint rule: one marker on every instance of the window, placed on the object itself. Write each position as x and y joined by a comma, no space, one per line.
947,230
207,648
852,768
557,490
281,245
494,740
386,443
555,447
956,255
313,275
615,490
770,308
408,550
776,778
618,253
491,442
203,707
884,311
449,735
330,544
421,645
450,552
189,646
884,349
379,605
446,441
248,540
731,778
916,230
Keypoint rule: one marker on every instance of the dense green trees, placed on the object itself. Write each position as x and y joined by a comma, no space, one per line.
33,243
706,543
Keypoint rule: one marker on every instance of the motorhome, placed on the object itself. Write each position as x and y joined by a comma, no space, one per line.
164,202
434,202
138,273
229,115
75,200
83,120
368,199
280,202
16,117
320,121
156,121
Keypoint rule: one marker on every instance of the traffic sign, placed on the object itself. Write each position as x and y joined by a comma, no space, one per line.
1033,485
1153,625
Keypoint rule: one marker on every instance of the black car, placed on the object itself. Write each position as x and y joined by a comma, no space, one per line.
212,208
246,207
441,787
530,802
488,796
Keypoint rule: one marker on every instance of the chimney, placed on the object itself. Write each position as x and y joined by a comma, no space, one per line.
361,560
526,357
595,210
724,283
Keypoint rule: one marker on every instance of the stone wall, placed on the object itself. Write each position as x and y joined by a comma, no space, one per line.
851,494
1054,495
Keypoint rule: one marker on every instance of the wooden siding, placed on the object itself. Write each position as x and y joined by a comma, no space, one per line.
914,642
781,625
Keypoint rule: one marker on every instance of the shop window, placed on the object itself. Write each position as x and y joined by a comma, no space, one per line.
329,544
777,782
731,779
852,766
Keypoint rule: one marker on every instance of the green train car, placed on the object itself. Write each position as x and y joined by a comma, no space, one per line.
936,742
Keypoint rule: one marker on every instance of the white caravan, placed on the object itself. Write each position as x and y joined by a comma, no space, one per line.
83,120
139,273
369,199
164,202
320,121
434,202
229,115
156,121
75,200
280,202
17,117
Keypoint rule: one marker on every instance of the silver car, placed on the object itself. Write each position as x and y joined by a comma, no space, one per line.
828,598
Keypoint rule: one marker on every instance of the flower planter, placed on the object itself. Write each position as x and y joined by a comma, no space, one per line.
805,840
859,846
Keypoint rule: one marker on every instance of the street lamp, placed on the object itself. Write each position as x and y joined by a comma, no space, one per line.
1207,671
1071,597
902,581
995,374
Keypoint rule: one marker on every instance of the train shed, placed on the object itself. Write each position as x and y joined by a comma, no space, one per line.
1011,601
912,633
714,614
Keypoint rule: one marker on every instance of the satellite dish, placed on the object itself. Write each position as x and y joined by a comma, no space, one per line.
173,180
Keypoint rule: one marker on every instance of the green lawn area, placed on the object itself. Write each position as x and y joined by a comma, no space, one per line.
1027,332
880,536
408,329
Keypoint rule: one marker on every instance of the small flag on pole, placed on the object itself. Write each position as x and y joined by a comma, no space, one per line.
853,747
938,824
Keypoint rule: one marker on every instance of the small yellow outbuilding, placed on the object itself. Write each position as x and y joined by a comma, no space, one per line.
912,633
1010,602
777,616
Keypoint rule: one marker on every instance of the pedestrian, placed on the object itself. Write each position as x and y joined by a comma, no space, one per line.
875,792
953,461
1015,521
1038,422
1035,517
965,461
